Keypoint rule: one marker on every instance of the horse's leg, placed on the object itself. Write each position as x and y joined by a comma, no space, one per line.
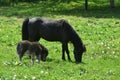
34,38
63,51
67,51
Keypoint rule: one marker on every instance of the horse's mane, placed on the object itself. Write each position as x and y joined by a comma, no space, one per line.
74,37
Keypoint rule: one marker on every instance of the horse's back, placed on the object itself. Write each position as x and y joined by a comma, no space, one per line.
51,30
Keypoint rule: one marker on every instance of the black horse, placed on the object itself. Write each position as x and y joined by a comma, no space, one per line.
54,30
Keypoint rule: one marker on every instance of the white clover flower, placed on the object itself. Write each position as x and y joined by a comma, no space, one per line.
103,51
113,52
33,78
115,56
42,72
46,72
108,47
25,77
102,43
14,77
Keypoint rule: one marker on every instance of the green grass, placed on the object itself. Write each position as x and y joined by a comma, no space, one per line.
98,27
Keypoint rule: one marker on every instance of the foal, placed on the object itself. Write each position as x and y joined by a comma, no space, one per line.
32,48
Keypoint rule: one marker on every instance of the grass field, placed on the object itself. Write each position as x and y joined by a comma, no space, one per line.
98,27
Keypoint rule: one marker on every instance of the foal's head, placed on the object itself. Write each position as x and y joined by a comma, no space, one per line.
44,54
78,53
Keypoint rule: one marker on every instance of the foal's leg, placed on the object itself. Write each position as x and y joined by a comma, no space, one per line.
38,57
21,55
20,58
32,58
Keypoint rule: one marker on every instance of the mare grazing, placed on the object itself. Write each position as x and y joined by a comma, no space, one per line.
32,48
54,30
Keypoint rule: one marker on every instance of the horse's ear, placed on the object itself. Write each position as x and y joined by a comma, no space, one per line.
84,48
40,21
64,23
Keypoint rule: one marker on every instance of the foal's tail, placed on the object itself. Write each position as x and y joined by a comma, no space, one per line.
25,34
19,48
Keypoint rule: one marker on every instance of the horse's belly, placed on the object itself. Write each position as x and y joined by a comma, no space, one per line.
53,38
52,35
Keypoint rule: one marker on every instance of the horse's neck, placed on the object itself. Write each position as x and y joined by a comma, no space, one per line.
77,42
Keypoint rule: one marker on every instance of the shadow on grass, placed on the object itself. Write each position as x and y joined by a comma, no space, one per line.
50,59
46,8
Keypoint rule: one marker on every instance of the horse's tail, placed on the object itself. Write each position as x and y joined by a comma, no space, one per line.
25,34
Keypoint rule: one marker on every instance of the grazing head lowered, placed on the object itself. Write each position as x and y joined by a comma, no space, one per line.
32,48
54,30
78,54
